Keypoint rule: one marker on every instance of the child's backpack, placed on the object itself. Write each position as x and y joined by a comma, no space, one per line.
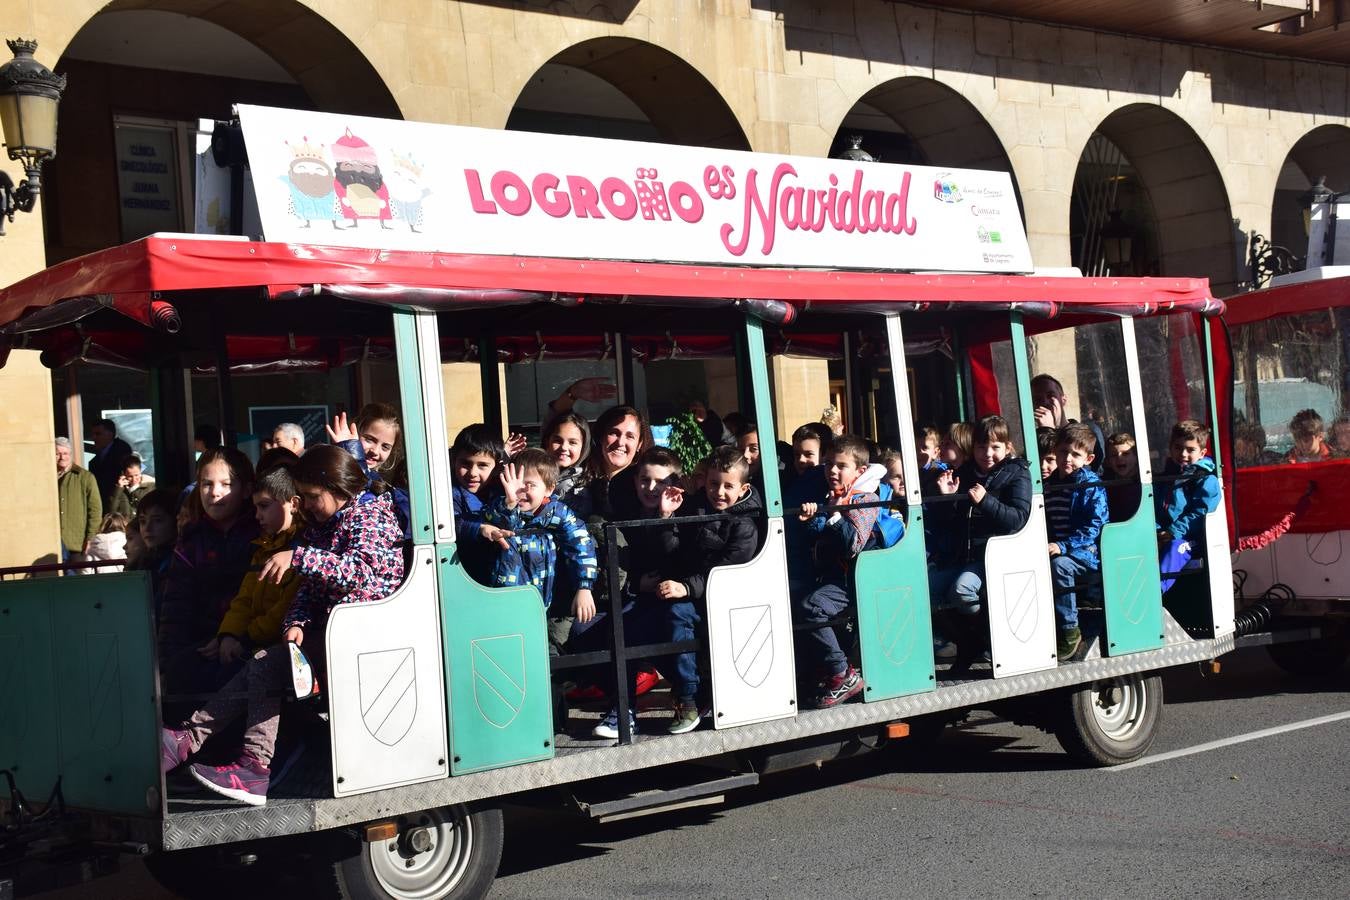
890,528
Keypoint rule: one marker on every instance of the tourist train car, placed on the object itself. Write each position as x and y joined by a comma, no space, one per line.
710,274
1282,352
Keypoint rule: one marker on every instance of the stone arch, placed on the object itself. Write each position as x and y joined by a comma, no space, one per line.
922,121
331,70
1184,217
627,88
1323,151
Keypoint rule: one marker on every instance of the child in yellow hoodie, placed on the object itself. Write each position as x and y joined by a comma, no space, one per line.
254,617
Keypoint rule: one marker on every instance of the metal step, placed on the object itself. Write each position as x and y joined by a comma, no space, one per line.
644,803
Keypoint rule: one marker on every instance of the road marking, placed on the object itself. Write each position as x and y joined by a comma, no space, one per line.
1230,741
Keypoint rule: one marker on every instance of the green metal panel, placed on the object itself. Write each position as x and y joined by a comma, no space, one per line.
414,424
1022,366
895,626
768,439
81,701
497,670
1132,591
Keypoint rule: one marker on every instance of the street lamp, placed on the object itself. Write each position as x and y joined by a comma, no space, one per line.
29,94
854,152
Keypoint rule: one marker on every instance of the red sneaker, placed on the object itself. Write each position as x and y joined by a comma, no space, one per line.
840,688
174,748
245,780
646,680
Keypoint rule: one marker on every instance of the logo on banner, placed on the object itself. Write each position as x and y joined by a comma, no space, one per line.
945,189
499,677
752,643
985,236
388,693
1019,609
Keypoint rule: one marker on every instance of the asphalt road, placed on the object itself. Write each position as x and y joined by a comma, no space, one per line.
996,810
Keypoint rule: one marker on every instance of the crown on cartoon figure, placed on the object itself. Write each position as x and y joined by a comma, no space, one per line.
407,162
307,150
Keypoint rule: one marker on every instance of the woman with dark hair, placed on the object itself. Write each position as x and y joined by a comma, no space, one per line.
348,554
208,563
620,436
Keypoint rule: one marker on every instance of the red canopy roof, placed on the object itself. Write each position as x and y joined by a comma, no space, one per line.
1302,296
127,275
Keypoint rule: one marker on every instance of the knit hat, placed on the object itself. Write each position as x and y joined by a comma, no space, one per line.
350,148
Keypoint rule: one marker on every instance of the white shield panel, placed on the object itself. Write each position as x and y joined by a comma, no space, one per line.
1021,604
499,677
388,686
750,637
386,701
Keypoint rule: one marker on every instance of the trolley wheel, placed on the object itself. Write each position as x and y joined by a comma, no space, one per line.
1311,659
451,852
1112,721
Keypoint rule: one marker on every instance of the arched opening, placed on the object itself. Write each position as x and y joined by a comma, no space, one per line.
1322,152
140,83
625,88
924,122
1149,200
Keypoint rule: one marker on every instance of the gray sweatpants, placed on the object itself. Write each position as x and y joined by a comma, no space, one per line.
255,692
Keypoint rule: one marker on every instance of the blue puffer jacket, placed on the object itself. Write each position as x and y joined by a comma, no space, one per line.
1182,506
1088,514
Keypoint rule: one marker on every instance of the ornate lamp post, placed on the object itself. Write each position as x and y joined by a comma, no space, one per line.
29,94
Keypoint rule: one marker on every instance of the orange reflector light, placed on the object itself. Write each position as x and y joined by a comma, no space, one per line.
897,730
1212,667
381,831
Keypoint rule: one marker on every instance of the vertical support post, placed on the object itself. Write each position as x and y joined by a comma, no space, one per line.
1022,366
852,411
904,411
964,411
492,384
225,392
171,419
618,648
75,414
623,370
757,365
415,384
1212,397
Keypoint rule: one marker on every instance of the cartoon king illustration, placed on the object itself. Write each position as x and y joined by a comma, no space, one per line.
361,190
310,182
406,190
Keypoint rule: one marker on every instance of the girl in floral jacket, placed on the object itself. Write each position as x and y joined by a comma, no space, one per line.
349,554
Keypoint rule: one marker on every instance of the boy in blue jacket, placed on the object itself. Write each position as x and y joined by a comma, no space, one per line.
1181,511
535,530
1075,511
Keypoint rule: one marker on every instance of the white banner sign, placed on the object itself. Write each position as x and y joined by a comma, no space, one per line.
352,181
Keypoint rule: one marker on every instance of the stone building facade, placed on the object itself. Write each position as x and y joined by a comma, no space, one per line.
1194,143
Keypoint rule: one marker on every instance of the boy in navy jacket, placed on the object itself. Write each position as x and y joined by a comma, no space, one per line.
1075,512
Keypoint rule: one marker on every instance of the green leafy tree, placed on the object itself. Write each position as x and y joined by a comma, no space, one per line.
687,440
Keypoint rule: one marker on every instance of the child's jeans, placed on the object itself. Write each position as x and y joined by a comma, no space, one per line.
957,587
266,675
657,621
1065,572
820,646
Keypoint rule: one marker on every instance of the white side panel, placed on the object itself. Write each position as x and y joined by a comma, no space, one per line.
1021,604
750,637
1136,402
385,694
1312,565
1219,564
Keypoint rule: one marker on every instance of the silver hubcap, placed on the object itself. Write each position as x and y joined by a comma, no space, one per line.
1118,706
428,857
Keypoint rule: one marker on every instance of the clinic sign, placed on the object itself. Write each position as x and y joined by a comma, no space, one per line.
352,181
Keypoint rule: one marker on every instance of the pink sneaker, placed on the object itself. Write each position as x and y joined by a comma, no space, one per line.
245,780
174,749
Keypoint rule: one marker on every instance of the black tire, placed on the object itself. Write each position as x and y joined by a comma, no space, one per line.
1113,721
1311,659
461,863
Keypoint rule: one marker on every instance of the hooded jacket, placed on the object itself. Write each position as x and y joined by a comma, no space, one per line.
354,557
1088,514
256,611
730,540
531,556
203,577
839,537
1182,509
1004,510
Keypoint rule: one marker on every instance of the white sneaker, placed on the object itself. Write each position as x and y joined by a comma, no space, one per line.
609,725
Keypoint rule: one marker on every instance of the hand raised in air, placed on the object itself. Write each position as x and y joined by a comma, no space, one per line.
341,430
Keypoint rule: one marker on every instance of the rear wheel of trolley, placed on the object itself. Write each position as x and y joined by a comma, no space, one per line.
1112,721
452,852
